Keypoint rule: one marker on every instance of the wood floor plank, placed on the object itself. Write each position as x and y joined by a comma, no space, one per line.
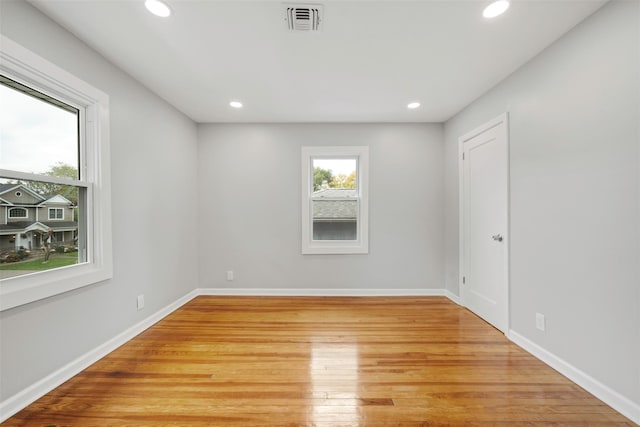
327,362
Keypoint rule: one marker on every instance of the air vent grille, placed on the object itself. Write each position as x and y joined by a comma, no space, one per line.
304,17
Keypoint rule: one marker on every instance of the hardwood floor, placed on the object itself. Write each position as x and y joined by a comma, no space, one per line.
244,361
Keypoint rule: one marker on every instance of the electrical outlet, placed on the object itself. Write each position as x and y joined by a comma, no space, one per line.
140,301
540,323
230,275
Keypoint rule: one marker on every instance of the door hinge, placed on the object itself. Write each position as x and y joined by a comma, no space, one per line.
462,156
464,280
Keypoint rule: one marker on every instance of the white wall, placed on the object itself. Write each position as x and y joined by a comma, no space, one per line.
575,195
153,153
250,211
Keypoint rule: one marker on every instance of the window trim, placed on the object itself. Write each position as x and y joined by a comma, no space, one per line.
25,67
361,244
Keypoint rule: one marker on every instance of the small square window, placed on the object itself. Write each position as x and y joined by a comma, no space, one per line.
56,213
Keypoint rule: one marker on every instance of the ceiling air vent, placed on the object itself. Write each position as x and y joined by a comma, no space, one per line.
304,17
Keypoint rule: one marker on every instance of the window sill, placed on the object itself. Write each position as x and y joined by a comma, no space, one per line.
332,249
20,290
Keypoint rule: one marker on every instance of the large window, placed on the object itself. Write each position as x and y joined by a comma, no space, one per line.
54,138
334,200
17,213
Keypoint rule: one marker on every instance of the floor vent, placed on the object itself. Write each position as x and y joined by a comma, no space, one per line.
303,17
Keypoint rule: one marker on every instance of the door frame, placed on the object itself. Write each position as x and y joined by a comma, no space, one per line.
501,119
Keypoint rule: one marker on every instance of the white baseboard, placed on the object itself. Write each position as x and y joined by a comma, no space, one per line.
35,391
612,398
453,297
321,292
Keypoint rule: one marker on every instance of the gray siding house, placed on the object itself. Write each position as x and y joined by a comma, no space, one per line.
25,216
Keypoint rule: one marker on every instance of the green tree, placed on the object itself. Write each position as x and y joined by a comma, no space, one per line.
60,170
319,176
344,181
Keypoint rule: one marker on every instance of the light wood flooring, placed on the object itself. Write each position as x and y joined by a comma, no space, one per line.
302,361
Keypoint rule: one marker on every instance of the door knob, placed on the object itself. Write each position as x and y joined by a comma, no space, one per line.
497,237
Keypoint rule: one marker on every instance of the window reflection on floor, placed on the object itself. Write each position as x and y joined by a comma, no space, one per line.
334,373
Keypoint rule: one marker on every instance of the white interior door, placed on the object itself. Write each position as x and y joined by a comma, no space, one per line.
484,228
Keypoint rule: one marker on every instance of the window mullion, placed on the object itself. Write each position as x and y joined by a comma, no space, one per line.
9,174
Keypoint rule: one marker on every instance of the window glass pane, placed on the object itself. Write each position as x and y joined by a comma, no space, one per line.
334,173
334,199
38,134
335,219
46,234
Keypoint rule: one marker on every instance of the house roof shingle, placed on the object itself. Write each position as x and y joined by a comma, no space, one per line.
333,208
335,193
5,187
15,225
19,226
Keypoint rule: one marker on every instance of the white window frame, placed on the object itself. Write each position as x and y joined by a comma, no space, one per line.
26,213
29,69
55,217
361,244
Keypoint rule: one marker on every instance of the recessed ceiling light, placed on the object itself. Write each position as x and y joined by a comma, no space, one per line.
496,8
158,8
413,105
236,104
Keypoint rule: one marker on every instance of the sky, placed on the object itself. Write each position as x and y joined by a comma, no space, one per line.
336,166
35,135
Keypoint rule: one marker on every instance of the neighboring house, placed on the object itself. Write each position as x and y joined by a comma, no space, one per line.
335,214
25,216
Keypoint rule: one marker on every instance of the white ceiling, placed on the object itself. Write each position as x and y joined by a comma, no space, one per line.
368,62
